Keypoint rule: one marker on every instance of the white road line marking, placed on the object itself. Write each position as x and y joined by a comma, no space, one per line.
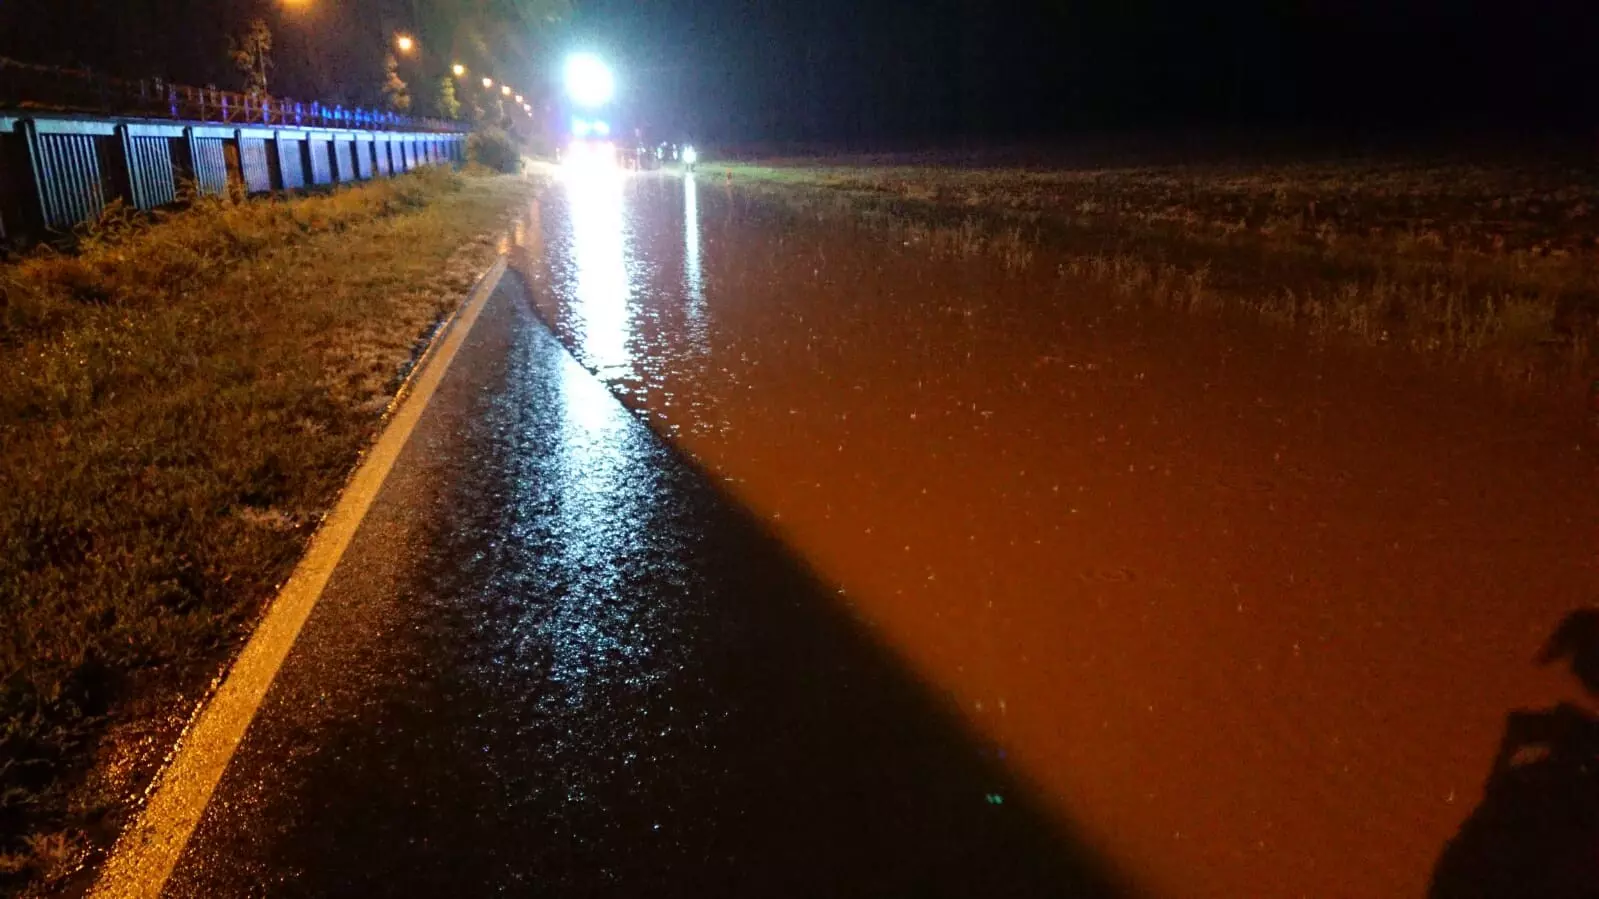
147,852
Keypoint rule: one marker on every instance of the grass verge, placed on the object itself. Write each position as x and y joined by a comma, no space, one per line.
180,401
1494,262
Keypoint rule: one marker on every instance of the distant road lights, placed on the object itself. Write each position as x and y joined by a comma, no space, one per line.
527,108
690,155
588,80
505,89
519,98
458,69
488,83
404,42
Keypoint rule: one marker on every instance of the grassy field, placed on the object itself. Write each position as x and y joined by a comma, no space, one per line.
180,402
1496,261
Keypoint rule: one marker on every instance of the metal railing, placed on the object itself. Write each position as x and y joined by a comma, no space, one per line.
25,86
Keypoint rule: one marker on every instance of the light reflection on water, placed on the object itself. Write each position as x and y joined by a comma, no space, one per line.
693,278
601,314
691,246
587,489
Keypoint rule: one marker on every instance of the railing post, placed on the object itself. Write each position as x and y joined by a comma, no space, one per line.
35,215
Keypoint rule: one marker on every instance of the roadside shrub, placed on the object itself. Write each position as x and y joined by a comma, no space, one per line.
494,149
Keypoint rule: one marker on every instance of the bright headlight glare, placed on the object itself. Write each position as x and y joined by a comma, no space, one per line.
588,80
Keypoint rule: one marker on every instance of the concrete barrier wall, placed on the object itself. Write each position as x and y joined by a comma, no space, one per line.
290,147
365,157
380,152
344,159
208,158
148,151
70,161
59,171
319,151
255,166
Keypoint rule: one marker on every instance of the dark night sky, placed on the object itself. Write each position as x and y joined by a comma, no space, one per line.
901,71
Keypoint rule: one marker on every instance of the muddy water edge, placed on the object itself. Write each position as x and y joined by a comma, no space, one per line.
1251,609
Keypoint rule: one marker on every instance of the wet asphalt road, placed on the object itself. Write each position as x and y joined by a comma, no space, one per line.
839,565
557,661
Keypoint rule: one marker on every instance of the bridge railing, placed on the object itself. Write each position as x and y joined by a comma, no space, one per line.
58,170
27,86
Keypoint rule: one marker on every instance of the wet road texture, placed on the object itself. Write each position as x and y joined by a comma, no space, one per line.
740,555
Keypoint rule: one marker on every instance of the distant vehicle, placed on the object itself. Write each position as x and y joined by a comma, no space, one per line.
589,152
643,158
590,145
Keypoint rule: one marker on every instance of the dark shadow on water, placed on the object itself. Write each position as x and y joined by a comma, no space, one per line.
698,715
1536,833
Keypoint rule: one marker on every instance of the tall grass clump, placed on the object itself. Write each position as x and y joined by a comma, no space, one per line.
494,149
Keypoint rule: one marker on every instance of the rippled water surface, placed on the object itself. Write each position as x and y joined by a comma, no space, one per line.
1251,613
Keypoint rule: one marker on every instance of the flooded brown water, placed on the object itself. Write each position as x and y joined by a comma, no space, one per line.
1249,613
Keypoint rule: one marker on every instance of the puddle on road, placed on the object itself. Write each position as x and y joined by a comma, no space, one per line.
1254,615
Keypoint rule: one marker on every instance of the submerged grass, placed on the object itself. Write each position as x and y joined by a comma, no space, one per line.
1497,262
180,401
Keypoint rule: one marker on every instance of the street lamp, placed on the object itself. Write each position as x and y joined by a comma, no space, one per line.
458,69
404,42
505,89
518,98
588,80
487,82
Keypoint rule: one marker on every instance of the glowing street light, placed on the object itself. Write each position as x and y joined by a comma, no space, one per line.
527,108
588,80
458,69
505,89
404,42
518,98
488,82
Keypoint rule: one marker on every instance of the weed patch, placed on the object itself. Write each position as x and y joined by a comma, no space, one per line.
180,401
1501,263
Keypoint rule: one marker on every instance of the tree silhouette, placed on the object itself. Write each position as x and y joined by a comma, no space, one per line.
449,106
396,95
251,52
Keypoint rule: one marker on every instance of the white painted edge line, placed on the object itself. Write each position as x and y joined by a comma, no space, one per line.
146,854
